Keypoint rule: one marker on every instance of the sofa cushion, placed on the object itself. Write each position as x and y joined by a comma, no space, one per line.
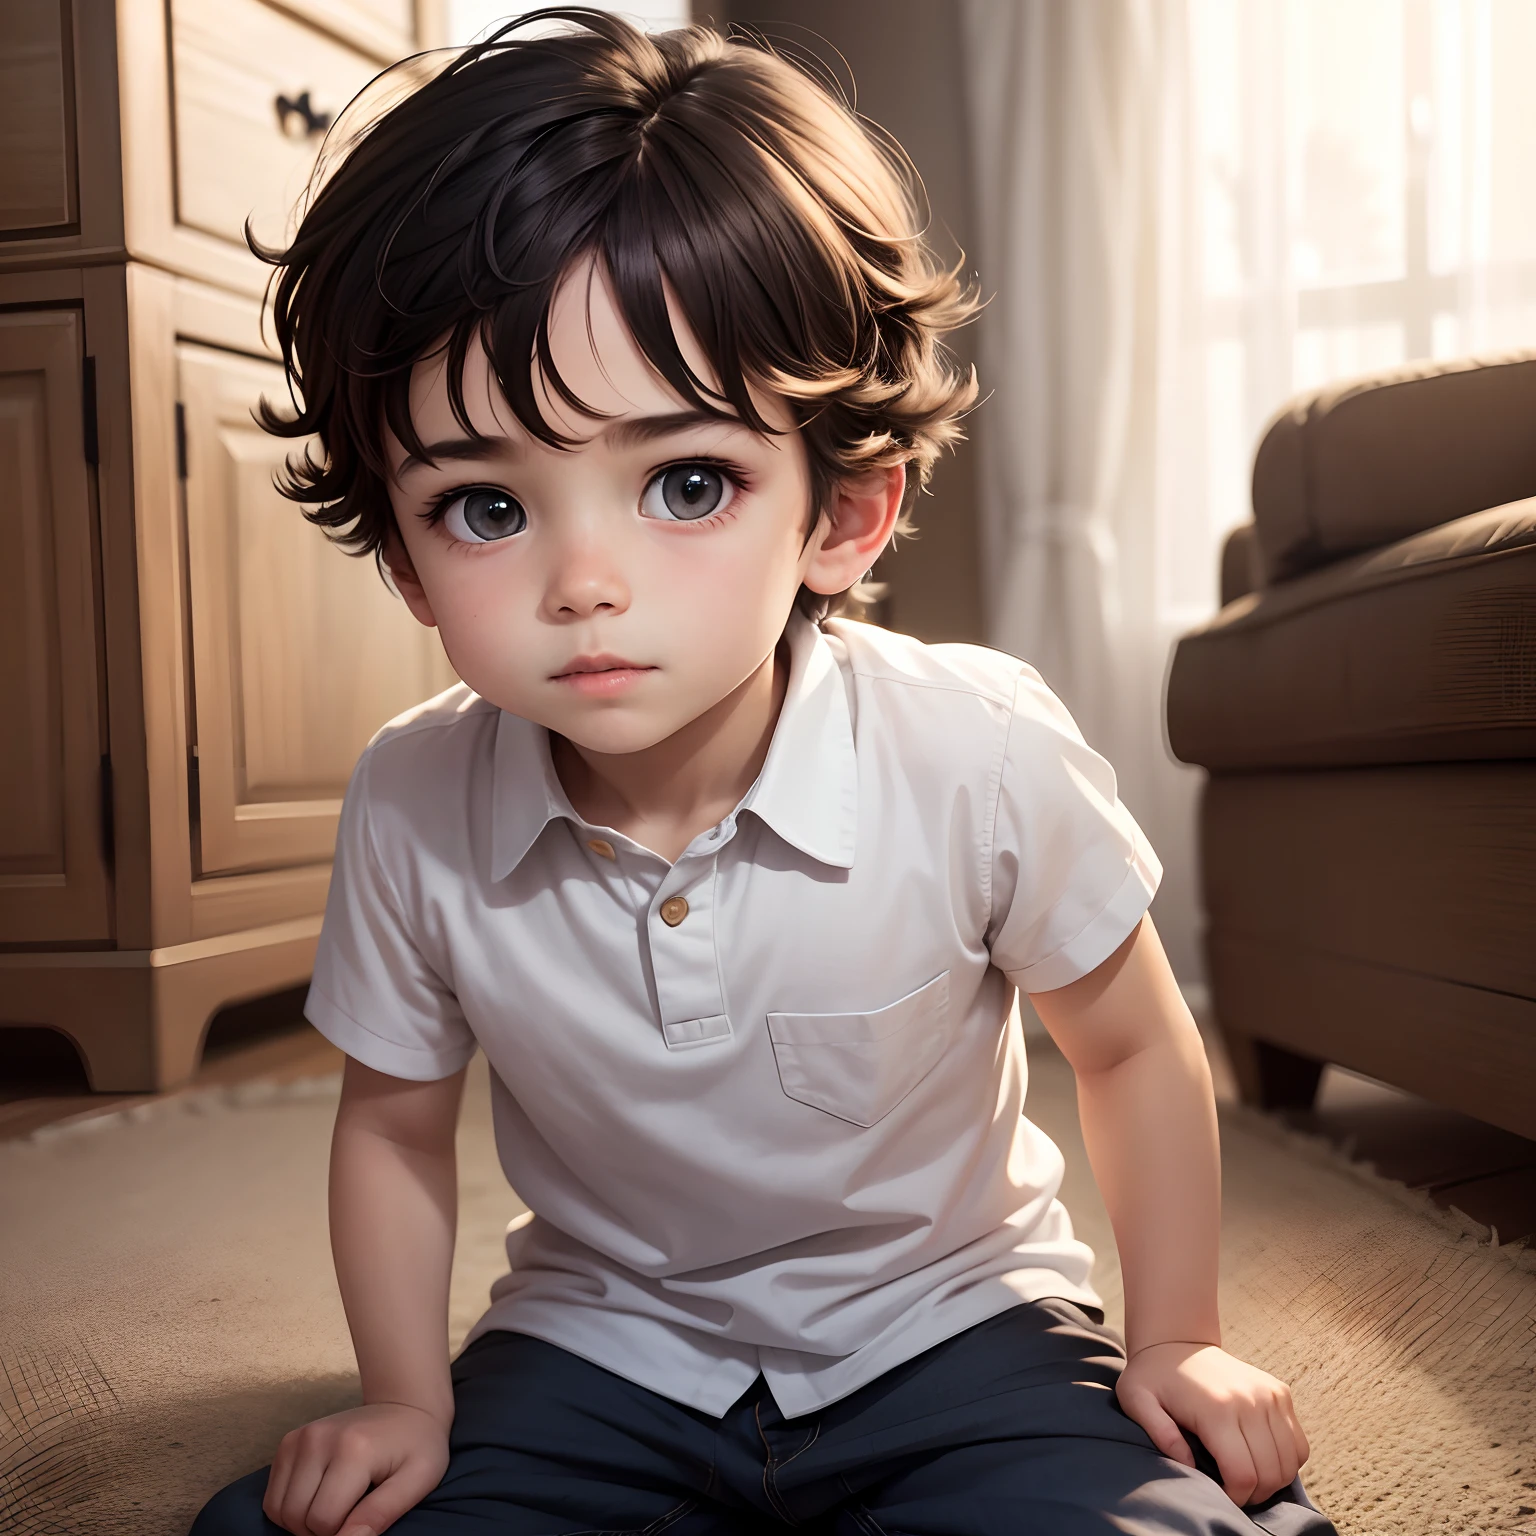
1424,651
1358,465
1426,869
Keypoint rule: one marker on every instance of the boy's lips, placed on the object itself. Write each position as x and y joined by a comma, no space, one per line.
601,676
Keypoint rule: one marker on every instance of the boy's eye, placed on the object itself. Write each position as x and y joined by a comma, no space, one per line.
483,515
687,492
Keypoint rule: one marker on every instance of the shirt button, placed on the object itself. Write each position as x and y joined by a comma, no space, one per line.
602,847
673,910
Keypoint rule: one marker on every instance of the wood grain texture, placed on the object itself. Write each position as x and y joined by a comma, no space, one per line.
386,29
53,875
233,903
301,653
105,293
160,587
93,229
235,158
37,191
138,1017
203,142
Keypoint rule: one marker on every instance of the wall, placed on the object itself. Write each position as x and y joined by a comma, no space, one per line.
904,56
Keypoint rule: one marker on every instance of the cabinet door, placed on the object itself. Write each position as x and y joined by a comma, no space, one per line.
37,189
300,652
54,885
244,77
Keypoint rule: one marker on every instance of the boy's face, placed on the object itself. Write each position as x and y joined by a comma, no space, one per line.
616,591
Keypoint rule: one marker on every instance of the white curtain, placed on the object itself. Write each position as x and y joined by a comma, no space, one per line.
1079,140
1187,211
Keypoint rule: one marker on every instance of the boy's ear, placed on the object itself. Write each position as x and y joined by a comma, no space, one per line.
403,573
856,528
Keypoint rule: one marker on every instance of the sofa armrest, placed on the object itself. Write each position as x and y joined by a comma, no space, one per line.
1242,569
1365,462
1419,652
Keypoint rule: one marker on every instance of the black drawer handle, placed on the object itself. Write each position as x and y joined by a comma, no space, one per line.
295,112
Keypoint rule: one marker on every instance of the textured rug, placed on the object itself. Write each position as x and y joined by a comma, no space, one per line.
167,1311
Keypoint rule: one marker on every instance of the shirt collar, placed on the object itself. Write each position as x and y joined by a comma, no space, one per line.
526,794
807,792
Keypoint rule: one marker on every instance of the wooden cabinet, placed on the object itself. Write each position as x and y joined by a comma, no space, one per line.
53,869
37,193
250,87
300,652
188,669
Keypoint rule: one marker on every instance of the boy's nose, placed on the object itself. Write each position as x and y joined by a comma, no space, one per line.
583,581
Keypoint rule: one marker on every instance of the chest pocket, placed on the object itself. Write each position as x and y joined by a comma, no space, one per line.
860,1066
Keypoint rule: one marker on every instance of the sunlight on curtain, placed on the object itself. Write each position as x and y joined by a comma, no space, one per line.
1366,176
1188,211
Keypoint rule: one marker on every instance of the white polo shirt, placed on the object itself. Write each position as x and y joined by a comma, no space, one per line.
763,1103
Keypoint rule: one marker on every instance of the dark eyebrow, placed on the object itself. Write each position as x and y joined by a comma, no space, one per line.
629,431
454,449
624,432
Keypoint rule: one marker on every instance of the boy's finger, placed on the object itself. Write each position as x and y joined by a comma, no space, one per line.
1161,1430
1268,1464
1228,1445
391,1499
305,1471
280,1475
1303,1449
1281,1426
345,1482
277,1483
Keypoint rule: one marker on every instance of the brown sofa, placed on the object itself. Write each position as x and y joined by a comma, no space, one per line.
1365,703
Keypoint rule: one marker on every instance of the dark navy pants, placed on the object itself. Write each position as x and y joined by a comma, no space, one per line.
1009,1429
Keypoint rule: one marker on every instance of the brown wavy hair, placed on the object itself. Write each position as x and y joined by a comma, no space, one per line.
787,229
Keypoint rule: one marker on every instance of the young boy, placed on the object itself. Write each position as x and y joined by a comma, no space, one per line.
625,356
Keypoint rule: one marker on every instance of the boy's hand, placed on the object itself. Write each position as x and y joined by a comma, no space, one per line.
322,1472
1243,1415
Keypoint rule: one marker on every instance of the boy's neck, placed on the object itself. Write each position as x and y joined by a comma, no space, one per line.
666,795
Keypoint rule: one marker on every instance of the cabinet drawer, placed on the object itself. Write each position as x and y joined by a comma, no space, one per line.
242,74
385,28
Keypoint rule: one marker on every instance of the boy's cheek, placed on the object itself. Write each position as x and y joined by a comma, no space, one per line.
705,624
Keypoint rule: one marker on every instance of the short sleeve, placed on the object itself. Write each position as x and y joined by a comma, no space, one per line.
374,994
1072,874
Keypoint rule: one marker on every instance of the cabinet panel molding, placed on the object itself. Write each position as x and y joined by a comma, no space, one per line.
59,55
230,903
37,128
53,874
281,624
159,595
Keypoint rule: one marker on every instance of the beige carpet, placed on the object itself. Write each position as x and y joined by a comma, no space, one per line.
167,1311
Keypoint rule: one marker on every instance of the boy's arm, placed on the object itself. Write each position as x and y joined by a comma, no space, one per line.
1149,1124
394,1206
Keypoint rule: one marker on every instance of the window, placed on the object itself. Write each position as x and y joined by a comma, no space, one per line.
1363,178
